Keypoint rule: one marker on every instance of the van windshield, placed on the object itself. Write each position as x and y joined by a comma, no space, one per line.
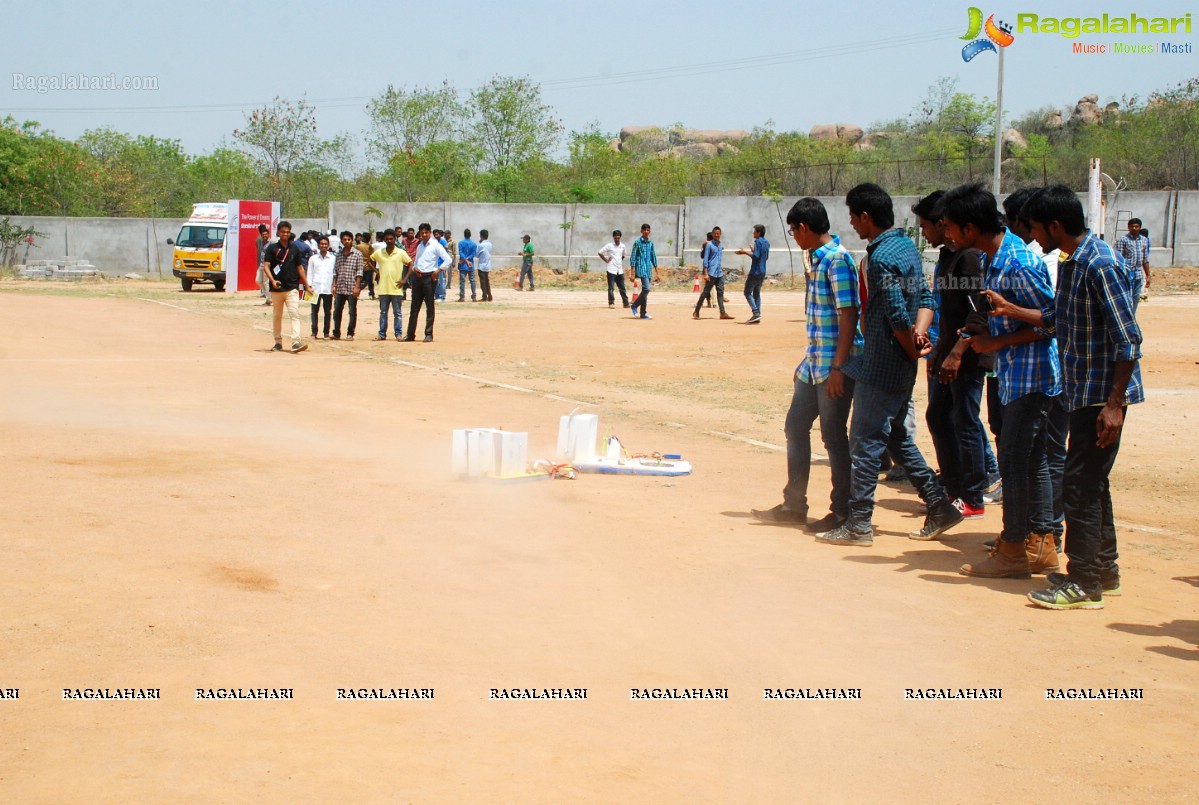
201,237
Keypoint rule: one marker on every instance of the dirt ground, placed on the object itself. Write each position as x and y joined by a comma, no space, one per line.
184,509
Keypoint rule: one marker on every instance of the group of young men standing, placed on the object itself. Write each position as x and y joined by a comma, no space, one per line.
643,267
336,279
1065,359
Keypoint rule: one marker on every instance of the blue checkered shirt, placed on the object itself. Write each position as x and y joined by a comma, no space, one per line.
644,258
832,287
896,289
1096,325
1020,276
1135,252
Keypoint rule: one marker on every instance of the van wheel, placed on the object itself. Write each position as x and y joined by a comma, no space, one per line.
187,284
219,285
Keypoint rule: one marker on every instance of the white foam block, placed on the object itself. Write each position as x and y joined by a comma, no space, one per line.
577,435
512,454
458,452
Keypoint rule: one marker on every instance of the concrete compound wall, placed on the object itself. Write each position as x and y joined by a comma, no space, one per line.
123,245
116,245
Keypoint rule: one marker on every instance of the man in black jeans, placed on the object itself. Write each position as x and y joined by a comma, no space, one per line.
955,371
1095,321
424,274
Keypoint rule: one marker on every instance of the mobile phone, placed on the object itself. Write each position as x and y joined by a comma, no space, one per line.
983,305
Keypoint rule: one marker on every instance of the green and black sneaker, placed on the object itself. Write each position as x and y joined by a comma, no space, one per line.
1067,595
1110,584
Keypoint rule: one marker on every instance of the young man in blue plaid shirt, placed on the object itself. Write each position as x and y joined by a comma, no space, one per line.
1134,248
897,309
1030,378
821,390
1095,322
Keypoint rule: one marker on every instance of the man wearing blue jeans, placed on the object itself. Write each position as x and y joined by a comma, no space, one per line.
643,263
955,371
822,391
713,258
897,309
391,261
1094,318
1026,363
466,267
757,273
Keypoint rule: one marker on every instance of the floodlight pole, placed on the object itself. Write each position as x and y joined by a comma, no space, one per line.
998,127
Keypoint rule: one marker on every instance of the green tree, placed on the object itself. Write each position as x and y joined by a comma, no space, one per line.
406,124
281,138
139,176
511,126
224,174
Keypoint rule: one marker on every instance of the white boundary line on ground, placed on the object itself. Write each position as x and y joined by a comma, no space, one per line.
165,304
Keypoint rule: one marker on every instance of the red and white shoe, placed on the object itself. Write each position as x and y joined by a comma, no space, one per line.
969,512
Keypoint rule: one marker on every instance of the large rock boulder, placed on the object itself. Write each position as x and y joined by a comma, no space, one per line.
873,139
713,136
1054,119
633,131
1087,111
1013,142
696,151
646,141
836,131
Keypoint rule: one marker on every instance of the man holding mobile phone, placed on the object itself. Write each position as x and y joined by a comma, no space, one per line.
956,372
1026,362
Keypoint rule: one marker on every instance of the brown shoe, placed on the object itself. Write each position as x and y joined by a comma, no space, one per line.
695,315
1010,561
725,316
1042,553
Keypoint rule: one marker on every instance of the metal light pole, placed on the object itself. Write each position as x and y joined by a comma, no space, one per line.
998,126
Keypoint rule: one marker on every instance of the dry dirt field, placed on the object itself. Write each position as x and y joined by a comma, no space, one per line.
184,509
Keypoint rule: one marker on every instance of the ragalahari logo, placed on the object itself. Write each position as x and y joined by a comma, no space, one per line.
997,33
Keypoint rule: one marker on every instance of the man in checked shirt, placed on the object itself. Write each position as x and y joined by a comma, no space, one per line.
1095,323
897,309
347,284
821,391
1134,248
1030,379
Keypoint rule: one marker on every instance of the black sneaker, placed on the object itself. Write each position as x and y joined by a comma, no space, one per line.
826,523
937,522
843,535
780,514
298,347
1108,584
278,348
1067,595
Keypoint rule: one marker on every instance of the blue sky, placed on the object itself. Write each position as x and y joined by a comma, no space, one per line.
704,64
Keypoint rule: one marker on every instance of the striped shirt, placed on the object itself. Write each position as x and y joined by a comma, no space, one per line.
832,287
1019,276
1096,324
347,271
896,290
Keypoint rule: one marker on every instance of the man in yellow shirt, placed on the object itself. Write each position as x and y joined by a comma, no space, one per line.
391,261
